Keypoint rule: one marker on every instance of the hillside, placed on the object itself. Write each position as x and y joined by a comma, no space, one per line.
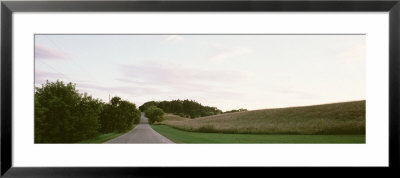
336,118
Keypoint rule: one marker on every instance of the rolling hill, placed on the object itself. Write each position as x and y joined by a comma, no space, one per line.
325,119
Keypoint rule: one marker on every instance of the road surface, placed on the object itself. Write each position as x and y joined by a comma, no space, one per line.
142,133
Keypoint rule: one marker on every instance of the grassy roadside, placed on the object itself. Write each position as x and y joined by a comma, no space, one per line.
180,136
105,137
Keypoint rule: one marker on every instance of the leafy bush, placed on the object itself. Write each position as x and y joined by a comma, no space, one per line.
62,115
154,114
118,116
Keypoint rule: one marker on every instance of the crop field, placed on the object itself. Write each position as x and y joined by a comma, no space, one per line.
347,118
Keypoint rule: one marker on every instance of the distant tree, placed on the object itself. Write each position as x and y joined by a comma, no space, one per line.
146,105
154,114
184,108
235,110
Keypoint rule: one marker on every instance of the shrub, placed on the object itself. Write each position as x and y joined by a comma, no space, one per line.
118,116
154,114
62,115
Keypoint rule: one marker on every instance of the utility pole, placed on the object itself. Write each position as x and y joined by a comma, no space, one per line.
109,99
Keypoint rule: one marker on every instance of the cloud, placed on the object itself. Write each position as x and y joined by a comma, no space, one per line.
130,81
42,76
173,38
293,92
153,74
224,52
172,81
118,89
353,56
173,75
42,52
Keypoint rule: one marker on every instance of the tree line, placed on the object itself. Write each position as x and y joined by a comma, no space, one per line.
63,115
183,108
236,110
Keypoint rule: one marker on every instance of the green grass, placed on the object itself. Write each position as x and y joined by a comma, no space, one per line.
180,136
105,137
326,119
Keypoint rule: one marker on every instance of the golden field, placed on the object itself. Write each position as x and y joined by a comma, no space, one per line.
335,118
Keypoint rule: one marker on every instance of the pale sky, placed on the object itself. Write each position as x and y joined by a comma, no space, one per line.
225,71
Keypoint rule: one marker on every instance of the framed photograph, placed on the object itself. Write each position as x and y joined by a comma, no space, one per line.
141,88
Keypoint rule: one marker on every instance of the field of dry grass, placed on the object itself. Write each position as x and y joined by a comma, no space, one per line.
336,118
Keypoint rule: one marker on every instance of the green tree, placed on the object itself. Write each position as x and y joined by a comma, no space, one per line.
154,114
62,115
146,105
118,116
186,108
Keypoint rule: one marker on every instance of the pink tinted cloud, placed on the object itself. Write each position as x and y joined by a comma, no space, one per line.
119,89
42,52
151,74
184,82
224,52
42,76
158,74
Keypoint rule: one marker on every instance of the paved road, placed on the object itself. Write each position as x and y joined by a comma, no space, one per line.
142,133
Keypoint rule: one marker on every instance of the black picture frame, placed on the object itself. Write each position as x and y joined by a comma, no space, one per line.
8,7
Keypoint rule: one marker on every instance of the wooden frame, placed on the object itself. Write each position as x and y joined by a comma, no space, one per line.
8,7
